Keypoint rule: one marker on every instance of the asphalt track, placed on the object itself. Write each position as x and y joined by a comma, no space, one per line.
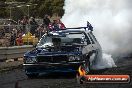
9,79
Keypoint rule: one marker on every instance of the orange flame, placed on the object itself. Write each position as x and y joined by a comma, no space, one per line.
81,71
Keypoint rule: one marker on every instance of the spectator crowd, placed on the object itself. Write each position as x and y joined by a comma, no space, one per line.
13,32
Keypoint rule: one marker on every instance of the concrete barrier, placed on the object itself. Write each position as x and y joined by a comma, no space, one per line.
14,52
12,57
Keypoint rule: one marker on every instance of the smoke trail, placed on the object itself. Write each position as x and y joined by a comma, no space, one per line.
111,20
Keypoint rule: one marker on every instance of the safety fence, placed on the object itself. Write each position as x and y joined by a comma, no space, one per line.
15,33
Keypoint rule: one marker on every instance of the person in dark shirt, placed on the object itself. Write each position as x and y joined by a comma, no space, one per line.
24,22
46,20
33,25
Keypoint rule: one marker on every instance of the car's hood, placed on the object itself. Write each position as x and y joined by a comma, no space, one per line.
65,50
60,53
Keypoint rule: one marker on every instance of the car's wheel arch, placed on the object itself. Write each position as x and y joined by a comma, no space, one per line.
87,59
87,56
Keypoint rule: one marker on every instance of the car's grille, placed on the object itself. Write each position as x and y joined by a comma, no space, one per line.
52,59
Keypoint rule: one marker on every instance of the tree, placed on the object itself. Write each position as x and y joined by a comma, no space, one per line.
43,7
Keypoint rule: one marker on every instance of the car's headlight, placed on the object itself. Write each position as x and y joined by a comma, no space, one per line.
74,58
31,60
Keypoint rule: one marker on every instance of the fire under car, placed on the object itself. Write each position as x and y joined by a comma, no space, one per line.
63,51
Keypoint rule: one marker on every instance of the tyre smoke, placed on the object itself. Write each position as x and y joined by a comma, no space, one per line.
111,20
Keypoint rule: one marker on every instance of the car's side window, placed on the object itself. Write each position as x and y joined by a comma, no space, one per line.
87,39
93,36
92,41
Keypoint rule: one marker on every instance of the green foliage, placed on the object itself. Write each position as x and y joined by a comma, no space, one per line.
2,13
43,7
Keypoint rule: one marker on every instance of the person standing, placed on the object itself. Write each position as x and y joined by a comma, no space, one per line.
24,22
41,30
60,24
46,22
33,25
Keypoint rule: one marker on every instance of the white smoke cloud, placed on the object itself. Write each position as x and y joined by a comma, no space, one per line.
111,20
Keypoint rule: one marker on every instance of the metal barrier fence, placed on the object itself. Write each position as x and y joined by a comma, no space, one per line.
14,52
14,33
10,35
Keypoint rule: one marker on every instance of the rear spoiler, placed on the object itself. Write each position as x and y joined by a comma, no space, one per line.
88,27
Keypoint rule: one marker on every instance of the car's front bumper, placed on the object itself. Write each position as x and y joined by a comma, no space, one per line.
52,67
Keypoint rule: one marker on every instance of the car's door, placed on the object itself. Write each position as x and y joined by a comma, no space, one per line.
90,45
97,48
92,51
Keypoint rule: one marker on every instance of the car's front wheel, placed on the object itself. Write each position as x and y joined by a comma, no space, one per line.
88,62
86,66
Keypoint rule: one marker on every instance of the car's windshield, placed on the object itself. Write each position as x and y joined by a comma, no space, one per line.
65,38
